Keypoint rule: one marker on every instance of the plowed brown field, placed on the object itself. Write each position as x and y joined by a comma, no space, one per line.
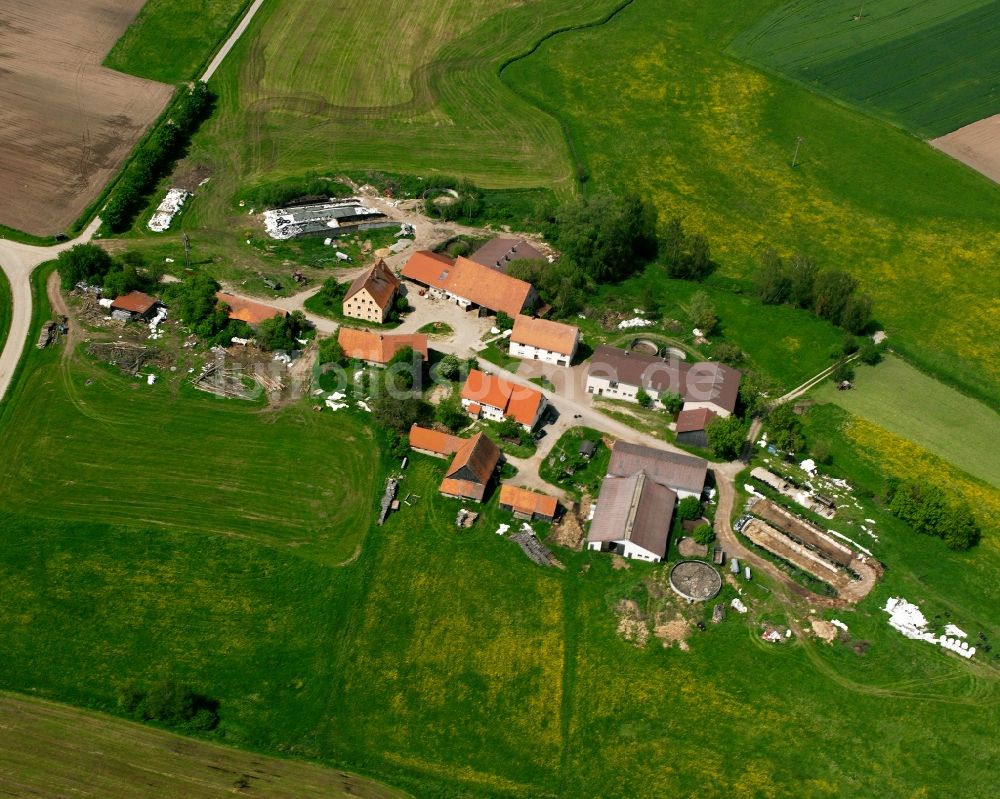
66,122
976,145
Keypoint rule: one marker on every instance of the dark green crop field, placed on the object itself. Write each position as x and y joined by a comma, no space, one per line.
930,67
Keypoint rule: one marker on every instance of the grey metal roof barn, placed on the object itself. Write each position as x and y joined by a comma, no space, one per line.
673,470
636,509
286,223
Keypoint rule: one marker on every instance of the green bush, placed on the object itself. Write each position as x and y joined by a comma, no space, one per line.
703,534
689,509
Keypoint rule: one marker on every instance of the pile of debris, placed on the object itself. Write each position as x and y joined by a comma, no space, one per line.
228,383
535,549
631,624
46,335
388,499
906,618
130,358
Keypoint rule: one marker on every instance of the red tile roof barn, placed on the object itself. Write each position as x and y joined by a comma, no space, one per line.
472,469
253,313
463,278
546,335
377,348
380,282
434,441
488,288
530,503
430,268
134,302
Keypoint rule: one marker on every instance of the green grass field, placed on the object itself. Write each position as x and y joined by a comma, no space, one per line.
172,40
415,92
102,756
711,139
84,442
439,661
445,662
908,403
929,67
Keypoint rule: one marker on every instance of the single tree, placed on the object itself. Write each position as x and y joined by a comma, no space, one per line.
703,534
330,351
448,368
856,314
86,262
869,352
832,291
701,312
802,271
725,436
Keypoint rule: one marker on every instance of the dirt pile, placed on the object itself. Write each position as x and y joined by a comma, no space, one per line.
631,624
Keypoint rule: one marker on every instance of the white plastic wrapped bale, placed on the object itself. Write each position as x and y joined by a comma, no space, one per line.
167,209
628,323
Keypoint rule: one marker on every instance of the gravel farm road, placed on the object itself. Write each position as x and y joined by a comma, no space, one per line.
18,261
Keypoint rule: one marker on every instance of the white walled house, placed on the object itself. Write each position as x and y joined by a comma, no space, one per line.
619,374
491,397
542,340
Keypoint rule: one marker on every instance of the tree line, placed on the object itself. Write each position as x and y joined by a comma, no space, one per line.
602,239
154,158
169,703
89,264
929,510
829,293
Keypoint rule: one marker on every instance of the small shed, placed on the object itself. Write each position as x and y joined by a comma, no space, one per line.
588,448
525,504
135,304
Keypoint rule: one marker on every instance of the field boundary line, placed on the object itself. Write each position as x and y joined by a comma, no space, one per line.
231,41
577,165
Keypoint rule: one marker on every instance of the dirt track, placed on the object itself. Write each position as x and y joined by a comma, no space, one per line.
976,145
17,261
66,122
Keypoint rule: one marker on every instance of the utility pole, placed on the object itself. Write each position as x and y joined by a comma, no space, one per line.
187,250
795,157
